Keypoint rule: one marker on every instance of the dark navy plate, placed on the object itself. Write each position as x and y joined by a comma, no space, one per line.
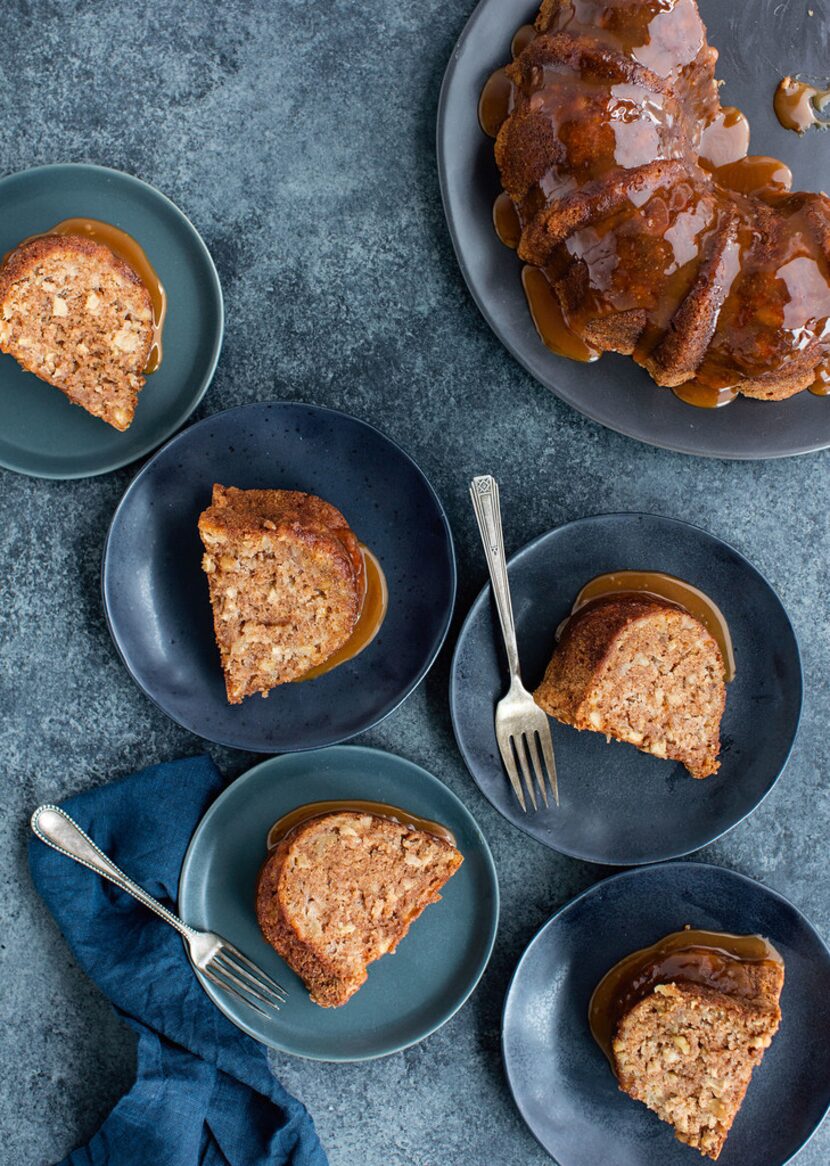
41,433
620,806
760,41
156,596
409,994
560,1079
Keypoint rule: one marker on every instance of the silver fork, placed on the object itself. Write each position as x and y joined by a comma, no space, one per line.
522,728
220,961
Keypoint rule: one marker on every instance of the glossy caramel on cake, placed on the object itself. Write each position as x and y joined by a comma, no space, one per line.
622,165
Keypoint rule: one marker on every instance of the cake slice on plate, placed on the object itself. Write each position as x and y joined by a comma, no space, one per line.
342,890
643,671
688,1052
286,581
77,316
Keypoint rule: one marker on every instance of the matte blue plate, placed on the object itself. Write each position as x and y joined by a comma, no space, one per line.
620,806
759,42
41,433
409,994
560,1079
156,595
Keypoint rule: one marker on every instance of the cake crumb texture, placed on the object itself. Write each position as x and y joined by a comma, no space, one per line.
343,890
286,583
643,672
79,318
688,1052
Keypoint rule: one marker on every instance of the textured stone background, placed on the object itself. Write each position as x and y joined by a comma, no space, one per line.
298,136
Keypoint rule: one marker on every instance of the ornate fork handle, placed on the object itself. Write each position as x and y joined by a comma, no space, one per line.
484,492
54,827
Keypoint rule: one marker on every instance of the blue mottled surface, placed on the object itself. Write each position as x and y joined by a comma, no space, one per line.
299,139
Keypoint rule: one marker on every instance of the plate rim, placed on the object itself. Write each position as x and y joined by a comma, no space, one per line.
479,602
688,449
492,878
633,872
440,640
215,284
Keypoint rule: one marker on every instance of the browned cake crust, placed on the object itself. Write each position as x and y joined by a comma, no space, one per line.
78,317
688,1052
286,582
648,251
644,672
342,890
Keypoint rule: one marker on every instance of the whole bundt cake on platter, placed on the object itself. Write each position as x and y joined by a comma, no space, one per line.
654,233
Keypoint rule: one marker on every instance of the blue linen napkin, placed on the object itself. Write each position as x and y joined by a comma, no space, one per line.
203,1094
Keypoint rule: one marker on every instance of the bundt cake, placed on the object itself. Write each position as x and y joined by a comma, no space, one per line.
286,582
635,199
342,890
640,670
684,1023
77,316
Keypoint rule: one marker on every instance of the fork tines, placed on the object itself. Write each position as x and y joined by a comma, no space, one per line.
240,977
530,750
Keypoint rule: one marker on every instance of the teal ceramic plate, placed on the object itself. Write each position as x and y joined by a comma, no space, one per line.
41,433
409,994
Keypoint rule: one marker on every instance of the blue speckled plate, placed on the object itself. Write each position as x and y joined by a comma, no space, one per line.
409,994
41,433
156,595
620,806
561,1080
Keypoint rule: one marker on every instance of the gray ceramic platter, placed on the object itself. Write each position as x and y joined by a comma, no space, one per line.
156,597
620,806
408,995
760,41
560,1079
41,433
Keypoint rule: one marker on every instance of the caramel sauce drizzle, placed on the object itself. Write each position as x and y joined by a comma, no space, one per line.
710,958
506,221
496,103
725,139
768,178
665,38
296,818
547,314
821,385
126,248
525,36
657,584
704,396
799,105
372,614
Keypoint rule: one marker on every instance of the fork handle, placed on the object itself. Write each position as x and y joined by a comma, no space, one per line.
484,492
54,827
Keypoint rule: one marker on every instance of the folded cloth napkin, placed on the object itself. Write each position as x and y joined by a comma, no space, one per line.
203,1092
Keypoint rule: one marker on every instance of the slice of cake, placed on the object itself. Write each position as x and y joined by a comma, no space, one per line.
286,582
640,670
78,317
342,890
688,1052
